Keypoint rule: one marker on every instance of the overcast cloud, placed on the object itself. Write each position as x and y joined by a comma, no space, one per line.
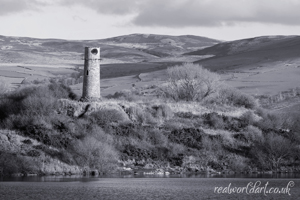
179,13
219,12
86,19
13,6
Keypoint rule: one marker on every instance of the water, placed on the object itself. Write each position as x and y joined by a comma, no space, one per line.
96,178
142,187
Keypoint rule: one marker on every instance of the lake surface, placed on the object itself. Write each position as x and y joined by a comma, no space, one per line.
155,187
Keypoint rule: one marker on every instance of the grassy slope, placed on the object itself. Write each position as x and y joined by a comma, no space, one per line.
258,66
241,53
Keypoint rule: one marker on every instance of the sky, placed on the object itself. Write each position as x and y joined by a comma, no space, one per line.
98,19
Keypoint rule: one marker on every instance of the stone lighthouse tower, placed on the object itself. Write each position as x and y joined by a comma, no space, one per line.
91,76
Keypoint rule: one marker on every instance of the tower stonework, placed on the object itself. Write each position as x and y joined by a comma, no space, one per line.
91,76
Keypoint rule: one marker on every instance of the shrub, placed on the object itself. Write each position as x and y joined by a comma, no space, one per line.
291,126
190,137
11,163
269,121
163,110
212,145
189,82
156,137
128,95
237,163
172,124
33,153
253,134
94,154
27,141
99,134
214,120
61,91
136,152
124,94
38,106
33,100
137,114
230,96
272,152
247,118
108,115
228,140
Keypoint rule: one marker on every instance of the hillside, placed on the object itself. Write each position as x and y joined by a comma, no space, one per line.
242,53
128,48
24,60
260,66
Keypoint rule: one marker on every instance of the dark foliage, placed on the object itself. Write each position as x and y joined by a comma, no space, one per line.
190,137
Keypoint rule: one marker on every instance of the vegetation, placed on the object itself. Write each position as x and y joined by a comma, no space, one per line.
194,126
189,82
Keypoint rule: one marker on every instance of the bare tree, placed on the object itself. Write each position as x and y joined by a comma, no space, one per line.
189,82
273,151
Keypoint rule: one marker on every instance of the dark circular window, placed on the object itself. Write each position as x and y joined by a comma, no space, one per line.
94,51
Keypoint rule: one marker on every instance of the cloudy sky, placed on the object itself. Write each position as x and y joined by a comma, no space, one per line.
96,19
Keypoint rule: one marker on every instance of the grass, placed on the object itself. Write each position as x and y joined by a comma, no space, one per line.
127,69
12,74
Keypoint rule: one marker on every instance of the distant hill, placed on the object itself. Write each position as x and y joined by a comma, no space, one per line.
242,53
264,65
127,48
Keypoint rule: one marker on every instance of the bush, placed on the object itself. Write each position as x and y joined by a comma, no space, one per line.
272,152
138,153
141,116
237,163
291,126
123,95
33,153
248,118
230,96
99,134
156,137
107,116
164,111
38,106
33,100
27,141
214,120
190,137
133,95
95,154
189,82
253,134
270,121
11,163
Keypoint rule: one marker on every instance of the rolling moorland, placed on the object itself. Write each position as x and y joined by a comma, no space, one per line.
246,123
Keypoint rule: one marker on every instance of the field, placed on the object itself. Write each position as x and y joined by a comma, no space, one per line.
15,74
265,78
